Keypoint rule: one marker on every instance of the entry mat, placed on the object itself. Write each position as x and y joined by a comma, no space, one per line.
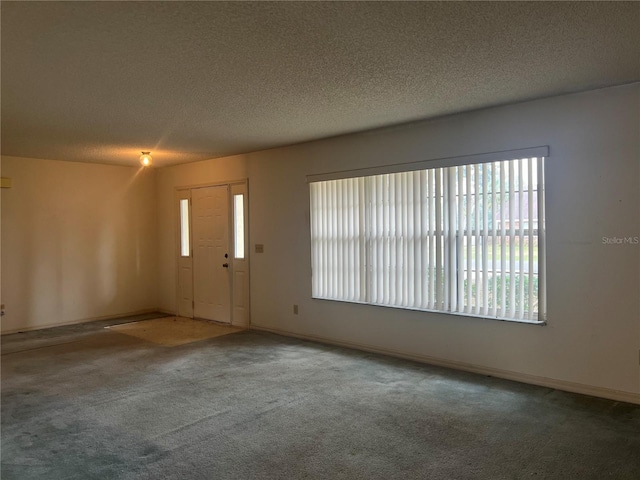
172,331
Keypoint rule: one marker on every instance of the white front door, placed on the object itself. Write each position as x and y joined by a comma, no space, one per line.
211,278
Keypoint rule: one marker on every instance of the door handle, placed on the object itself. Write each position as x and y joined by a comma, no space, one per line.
225,265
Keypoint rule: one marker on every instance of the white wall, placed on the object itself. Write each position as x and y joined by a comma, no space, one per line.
79,242
208,172
592,339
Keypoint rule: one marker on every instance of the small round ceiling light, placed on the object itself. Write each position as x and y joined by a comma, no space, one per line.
145,159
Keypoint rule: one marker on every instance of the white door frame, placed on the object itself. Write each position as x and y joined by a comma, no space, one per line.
239,269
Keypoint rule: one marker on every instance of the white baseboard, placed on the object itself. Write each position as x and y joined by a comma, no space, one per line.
572,387
81,320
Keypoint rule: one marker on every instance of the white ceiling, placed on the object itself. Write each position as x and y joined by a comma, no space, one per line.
101,81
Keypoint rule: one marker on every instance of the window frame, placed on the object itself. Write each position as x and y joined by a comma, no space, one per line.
185,227
239,227
502,156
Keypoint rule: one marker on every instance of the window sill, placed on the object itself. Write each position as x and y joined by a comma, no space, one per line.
455,314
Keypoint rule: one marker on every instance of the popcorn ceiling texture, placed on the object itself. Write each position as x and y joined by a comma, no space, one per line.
101,81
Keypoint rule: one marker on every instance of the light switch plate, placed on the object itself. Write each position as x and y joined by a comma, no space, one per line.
259,248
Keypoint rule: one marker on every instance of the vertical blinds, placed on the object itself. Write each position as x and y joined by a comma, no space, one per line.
465,239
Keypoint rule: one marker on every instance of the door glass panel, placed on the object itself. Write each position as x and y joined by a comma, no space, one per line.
184,227
238,225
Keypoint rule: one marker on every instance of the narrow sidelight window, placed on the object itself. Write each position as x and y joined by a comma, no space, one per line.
184,227
238,225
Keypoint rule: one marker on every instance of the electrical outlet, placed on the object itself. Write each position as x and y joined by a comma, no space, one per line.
2,310
295,309
259,248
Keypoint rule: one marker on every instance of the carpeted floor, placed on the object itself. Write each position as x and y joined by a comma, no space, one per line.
85,402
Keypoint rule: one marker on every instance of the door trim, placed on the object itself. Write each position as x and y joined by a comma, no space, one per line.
184,306
234,186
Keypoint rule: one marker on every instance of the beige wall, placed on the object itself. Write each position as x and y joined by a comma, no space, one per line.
78,242
222,170
593,190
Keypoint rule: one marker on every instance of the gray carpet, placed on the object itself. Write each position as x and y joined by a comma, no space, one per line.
85,403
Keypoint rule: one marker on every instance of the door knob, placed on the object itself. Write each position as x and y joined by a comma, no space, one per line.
225,265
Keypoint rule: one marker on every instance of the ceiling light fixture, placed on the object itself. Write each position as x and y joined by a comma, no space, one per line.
145,159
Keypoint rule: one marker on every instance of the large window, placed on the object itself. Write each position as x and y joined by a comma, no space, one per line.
465,239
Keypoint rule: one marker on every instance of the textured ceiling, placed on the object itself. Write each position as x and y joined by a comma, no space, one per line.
101,81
